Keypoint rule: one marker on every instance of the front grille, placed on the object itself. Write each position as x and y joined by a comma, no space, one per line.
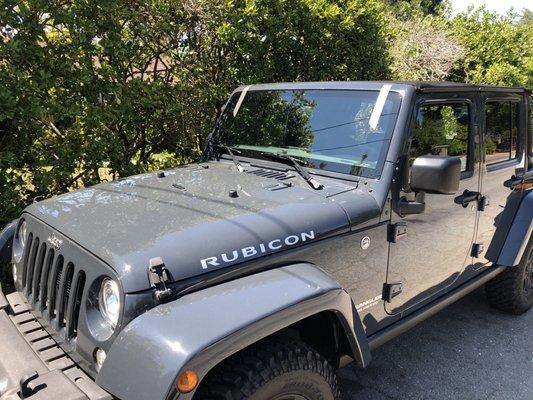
52,285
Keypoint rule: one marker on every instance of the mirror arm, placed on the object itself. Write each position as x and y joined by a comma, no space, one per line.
409,207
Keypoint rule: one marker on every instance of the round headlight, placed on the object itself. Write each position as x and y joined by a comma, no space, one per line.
109,301
21,239
23,234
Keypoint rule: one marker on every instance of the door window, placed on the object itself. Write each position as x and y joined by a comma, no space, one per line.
442,129
501,131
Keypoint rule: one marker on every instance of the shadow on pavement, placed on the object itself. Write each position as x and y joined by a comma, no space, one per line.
467,351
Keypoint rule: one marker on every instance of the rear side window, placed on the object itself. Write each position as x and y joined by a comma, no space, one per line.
501,131
442,129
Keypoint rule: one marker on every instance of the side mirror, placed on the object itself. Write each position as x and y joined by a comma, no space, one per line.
436,174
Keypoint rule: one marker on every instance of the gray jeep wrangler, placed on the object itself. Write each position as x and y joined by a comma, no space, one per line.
323,220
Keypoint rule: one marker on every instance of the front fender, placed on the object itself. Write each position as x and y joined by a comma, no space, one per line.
203,328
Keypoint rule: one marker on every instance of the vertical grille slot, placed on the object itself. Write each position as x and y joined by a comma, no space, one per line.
53,286
47,267
27,252
36,284
74,310
63,301
31,266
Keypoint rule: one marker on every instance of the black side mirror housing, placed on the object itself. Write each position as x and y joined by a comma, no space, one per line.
436,174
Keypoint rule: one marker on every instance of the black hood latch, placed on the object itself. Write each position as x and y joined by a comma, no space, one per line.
159,276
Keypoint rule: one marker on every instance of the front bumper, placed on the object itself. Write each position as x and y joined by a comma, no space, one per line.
32,365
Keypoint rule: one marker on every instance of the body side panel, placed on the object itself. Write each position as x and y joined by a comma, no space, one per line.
495,171
434,253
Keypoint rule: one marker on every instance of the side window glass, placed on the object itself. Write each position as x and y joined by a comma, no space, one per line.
501,131
442,129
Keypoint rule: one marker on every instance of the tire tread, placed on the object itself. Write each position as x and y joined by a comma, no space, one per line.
247,371
505,292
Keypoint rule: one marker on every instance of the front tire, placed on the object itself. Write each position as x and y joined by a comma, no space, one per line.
273,369
512,290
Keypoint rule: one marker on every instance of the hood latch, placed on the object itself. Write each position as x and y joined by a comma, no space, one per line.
159,276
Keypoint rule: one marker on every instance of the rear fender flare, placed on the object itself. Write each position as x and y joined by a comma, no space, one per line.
514,230
201,329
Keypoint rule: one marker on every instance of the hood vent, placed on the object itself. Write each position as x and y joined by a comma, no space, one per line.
268,173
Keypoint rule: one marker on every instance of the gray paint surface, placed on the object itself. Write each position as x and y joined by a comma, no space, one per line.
171,336
130,221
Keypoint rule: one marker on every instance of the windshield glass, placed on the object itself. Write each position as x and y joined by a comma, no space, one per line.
343,131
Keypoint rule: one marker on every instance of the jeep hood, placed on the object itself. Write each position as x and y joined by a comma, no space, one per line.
189,216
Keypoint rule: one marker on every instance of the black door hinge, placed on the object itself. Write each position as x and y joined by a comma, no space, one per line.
396,231
159,276
391,290
477,250
482,203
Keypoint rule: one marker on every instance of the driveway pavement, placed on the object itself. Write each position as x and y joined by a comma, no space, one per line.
467,351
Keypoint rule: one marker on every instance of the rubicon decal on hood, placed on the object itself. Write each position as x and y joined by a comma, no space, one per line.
261,248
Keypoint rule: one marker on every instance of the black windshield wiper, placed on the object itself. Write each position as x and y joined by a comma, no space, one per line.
231,151
296,164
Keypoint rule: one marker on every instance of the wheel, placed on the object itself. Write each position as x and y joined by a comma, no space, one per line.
274,369
512,290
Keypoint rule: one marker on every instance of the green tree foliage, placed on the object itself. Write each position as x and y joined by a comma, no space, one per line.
499,49
442,128
424,7
269,120
92,90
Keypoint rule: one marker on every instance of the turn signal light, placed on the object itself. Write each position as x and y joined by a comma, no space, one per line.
187,381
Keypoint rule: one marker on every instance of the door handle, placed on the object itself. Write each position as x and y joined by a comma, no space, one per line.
467,197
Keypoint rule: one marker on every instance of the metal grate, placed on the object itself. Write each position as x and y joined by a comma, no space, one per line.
52,286
269,173
46,348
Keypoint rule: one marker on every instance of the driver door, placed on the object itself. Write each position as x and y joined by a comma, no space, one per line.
432,248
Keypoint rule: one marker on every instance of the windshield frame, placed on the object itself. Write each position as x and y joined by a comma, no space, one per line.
363,172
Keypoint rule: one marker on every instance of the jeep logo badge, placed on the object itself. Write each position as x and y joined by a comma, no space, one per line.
365,242
54,241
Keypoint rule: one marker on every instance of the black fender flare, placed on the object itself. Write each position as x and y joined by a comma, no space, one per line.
6,242
201,329
514,230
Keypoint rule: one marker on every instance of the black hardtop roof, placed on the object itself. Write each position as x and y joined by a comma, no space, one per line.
439,85
432,86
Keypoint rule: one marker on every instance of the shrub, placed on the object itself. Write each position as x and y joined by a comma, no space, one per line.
93,90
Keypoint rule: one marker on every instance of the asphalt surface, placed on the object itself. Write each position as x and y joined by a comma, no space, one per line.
467,351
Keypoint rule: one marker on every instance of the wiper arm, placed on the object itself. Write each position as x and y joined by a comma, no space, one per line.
231,151
296,164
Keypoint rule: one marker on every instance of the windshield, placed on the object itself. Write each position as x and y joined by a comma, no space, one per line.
343,131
